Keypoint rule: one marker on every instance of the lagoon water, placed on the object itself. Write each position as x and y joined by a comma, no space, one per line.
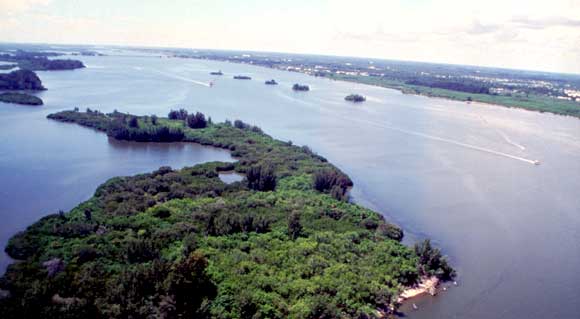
461,174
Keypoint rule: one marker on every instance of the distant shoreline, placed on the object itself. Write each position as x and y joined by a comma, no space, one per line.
405,90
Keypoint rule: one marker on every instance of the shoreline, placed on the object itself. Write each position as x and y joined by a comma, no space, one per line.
427,285
399,89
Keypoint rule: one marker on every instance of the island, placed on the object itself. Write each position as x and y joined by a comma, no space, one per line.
216,73
283,243
300,87
20,80
242,77
355,98
271,82
20,98
39,61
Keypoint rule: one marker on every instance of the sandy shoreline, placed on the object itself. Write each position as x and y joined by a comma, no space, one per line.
426,285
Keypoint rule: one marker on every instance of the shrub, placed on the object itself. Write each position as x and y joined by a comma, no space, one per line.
180,114
196,120
261,178
390,231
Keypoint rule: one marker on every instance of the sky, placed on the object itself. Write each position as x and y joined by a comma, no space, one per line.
534,35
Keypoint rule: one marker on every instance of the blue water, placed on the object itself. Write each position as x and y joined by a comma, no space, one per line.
461,174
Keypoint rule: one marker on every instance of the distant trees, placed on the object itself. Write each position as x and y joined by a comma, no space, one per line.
261,177
355,98
300,87
20,80
245,126
133,122
180,114
196,120
120,131
451,85
154,119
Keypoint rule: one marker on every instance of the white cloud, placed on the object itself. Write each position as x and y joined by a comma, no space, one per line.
533,34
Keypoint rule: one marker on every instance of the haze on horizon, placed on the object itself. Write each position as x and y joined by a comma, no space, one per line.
533,35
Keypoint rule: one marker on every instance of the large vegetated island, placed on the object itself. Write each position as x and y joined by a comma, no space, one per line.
284,243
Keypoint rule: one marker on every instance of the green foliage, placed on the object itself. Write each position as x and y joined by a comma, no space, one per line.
294,225
261,178
181,243
196,120
431,261
332,181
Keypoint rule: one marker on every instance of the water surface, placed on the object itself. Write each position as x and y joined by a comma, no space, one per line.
461,174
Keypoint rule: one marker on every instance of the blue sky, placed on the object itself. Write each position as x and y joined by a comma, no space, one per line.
539,35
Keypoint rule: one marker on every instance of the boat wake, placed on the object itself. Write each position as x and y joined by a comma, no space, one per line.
177,77
503,135
453,142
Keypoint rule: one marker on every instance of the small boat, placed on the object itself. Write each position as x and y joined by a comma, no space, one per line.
455,283
415,307
217,73
536,162
210,83
242,77
271,82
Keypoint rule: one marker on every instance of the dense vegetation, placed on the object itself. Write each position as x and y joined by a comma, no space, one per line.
39,61
300,87
355,98
181,243
477,88
20,80
20,98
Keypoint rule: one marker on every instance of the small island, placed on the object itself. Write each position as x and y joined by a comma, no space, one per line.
20,98
20,80
216,73
271,82
242,77
355,98
285,242
300,87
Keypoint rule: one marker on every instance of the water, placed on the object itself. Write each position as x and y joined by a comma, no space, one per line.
231,177
461,174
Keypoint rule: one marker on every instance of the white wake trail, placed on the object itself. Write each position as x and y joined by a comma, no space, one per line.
503,135
449,141
181,78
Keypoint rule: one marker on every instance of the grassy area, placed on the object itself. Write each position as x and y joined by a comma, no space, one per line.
532,102
181,243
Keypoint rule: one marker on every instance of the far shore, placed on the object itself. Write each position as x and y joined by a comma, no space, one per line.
403,90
